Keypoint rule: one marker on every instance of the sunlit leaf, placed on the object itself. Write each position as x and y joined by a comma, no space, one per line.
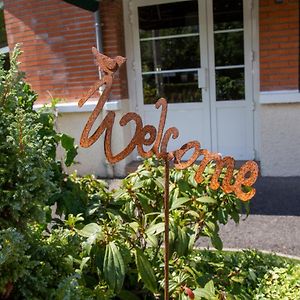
113,267
207,199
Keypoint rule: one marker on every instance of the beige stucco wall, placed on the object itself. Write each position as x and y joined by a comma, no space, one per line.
92,160
280,139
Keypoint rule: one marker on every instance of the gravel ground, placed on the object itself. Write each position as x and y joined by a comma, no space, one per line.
274,222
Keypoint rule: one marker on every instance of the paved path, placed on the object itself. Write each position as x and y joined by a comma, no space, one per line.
274,221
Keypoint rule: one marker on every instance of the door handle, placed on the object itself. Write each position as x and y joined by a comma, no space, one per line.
202,78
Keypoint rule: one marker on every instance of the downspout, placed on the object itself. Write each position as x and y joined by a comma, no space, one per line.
98,30
110,172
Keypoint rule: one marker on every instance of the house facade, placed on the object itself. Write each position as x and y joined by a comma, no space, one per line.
228,69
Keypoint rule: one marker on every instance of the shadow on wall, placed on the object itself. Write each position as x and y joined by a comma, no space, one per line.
276,196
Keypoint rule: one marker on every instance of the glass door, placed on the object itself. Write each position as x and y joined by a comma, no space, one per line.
230,58
197,54
172,50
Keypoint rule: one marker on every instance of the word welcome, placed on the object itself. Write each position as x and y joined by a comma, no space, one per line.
147,135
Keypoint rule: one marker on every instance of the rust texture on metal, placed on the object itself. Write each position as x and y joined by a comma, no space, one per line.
148,135
166,235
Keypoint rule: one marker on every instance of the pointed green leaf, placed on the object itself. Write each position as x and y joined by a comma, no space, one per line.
178,202
145,202
202,294
156,228
89,230
84,262
207,199
217,242
145,271
113,267
160,182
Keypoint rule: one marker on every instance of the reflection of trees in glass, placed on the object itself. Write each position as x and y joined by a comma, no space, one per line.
168,18
3,41
172,53
175,87
230,84
229,48
228,14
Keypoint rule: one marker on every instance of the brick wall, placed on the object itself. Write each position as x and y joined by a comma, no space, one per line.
113,41
279,45
56,39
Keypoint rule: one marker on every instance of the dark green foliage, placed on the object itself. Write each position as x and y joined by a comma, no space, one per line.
29,177
122,235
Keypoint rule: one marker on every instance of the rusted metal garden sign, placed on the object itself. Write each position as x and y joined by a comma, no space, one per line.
147,135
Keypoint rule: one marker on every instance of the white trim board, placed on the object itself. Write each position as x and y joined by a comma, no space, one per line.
89,106
285,96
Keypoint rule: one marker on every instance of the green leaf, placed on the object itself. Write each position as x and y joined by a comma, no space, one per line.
84,262
151,239
235,216
222,216
138,184
208,292
70,155
178,202
89,230
145,202
145,271
156,228
113,267
202,293
67,141
207,199
217,242
68,144
160,182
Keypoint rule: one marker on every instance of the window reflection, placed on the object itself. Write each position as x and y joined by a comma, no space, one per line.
168,19
229,48
169,41
180,87
3,40
168,54
230,84
228,14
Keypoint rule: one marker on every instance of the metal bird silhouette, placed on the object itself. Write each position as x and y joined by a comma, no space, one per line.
107,64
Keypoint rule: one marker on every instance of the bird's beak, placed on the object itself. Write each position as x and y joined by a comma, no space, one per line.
120,60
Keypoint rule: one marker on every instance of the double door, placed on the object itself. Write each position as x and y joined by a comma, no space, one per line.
196,54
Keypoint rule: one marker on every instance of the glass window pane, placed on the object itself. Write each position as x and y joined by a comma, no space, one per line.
180,87
3,40
228,14
168,19
230,84
229,48
173,53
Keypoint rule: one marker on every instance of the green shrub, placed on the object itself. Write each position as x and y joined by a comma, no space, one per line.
29,177
280,283
122,232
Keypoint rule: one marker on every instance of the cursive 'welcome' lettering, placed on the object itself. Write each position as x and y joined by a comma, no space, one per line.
159,138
